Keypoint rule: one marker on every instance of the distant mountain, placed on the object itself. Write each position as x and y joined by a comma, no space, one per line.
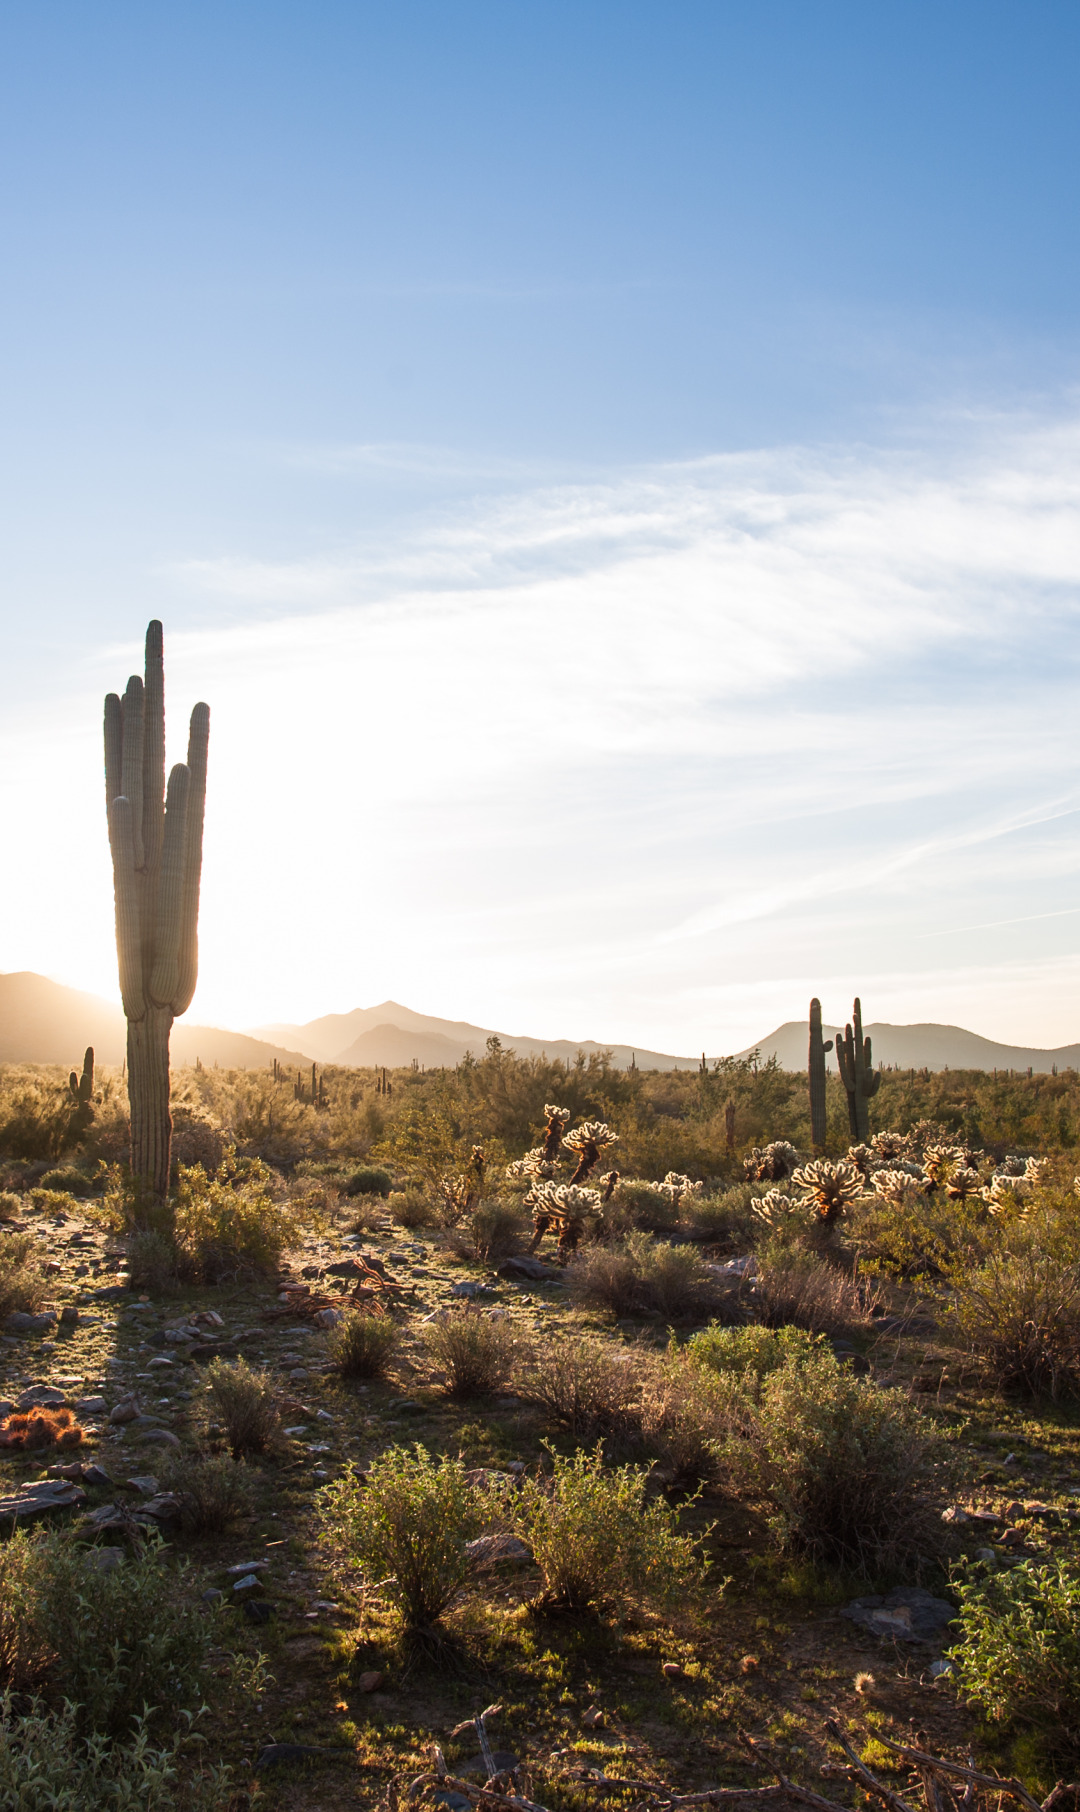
42,1022
394,1035
930,1047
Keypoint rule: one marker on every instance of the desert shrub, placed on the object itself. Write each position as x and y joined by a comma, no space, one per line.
798,1289
45,1764
845,1469
361,1346
10,1204
737,1350
491,1231
587,1386
640,1275
152,1259
476,1350
229,1224
637,1203
213,1492
196,1140
23,1283
244,1399
404,1531
1018,1657
599,1543
120,1646
683,1416
370,1179
35,1113
412,1208
70,1179
723,1218
40,1427
1020,1312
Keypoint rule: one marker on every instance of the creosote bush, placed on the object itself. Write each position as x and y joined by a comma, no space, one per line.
244,1400
412,1208
46,1764
848,1471
599,1543
213,1492
404,1531
1018,1657
796,1288
230,1224
476,1350
737,1350
587,1386
369,1179
23,1284
492,1231
361,1346
642,1274
1020,1312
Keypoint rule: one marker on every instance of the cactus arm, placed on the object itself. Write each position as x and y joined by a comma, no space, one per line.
114,749
165,973
131,772
827,1046
198,740
153,798
125,887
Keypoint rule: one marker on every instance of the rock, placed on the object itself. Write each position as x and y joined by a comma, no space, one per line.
250,1583
37,1499
476,1764
298,1429
19,1322
466,1290
111,1292
42,1396
370,1682
105,1560
165,1508
257,1610
909,1614
409,1407
453,1802
161,1363
593,1719
213,1596
281,1755
90,1406
532,1268
125,1411
159,1437
328,1318
298,1374
95,1475
494,1550
940,1670
244,1567
69,1315
734,1269
144,1483
986,1555
671,1670
855,1362
956,1516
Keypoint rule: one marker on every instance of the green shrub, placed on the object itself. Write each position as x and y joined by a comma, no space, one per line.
69,1178
368,1180
724,1217
405,1530
361,1346
476,1351
599,1544
684,1420
491,1232
642,1275
152,1258
1020,1313
1018,1657
244,1399
230,1225
213,1492
586,1385
46,1764
737,1350
847,1470
412,1208
23,1283
123,1645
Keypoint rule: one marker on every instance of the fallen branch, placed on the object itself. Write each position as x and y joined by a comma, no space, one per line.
920,1759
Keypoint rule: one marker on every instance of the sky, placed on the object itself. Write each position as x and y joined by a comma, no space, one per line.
612,470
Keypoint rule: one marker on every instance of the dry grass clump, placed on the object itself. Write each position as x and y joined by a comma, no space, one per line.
476,1350
23,1283
794,1288
40,1427
642,1275
361,1346
244,1399
587,1386
213,1492
1020,1313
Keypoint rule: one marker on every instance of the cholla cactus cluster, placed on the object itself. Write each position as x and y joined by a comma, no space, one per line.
676,1187
772,1163
557,1119
533,1164
828,1189
565,1207
776,1208
894,1185
589,1140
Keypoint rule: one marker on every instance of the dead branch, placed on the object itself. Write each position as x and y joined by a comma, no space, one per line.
994,1783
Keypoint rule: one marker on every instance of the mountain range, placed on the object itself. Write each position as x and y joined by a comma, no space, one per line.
43,1022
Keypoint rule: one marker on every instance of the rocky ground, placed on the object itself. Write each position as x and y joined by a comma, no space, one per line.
772,1653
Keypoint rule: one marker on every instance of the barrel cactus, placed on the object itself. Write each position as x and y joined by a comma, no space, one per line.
156,842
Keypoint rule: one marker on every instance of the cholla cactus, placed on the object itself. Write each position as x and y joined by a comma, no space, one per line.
889,1147
963,1183
772,1164
1007,1194
533,1164
562,1208
828,1189
777,1207
609,1183
675,1186
893,1185
928,1132
941,1162
557,1120
588,1140
1010,1166
1037,1170
461,1193
862,1157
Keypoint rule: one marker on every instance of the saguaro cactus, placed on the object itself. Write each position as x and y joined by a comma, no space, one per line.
81,1090
818,1048
856,1066
156,842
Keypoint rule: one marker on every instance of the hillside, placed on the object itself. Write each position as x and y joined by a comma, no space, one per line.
931,1047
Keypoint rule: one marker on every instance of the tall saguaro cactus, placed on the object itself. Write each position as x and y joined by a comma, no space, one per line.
816,1066
156,842
856,1066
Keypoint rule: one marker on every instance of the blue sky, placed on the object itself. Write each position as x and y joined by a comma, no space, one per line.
612,469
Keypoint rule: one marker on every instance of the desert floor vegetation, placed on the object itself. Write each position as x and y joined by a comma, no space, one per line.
354,1463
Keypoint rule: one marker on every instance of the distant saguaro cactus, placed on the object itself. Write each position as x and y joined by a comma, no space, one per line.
856,1066
156,843
81,1090
818,1048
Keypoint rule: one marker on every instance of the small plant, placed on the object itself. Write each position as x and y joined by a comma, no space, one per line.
361,1346
244,1400
229,1224
1020,1312
492,1231
40,1427
70,1179
642,1275
370,1179
46,1763
213,1492
152,1259
1018,1658
757,1349
477,1351
23,1284
683,1416
410,1207
795,1288
405,1530
589,1388
599,1543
